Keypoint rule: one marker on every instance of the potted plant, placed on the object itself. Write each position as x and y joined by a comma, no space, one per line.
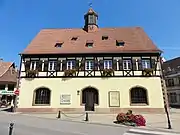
31,73
107,72
147,72
70,72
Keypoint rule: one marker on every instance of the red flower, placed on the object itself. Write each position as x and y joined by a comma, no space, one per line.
139,120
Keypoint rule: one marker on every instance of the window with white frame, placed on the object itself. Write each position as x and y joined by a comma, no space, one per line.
127,64
70,64
107,64
52,66
33,65
146,63
89,65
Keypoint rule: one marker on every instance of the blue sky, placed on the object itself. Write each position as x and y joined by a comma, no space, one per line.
21,20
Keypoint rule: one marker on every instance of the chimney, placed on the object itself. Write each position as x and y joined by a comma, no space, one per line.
1,59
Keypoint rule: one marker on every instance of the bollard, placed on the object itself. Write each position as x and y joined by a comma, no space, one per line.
87,118
11,128
59,115
12,109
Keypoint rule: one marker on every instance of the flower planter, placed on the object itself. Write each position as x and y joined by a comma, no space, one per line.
31,73
147,72
107,72
71,72
130,119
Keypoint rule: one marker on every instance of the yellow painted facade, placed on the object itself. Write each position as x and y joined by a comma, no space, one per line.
71,86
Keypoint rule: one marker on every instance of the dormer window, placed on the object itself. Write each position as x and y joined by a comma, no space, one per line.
104,37
58,45
74,38
169,69
89,43
120,43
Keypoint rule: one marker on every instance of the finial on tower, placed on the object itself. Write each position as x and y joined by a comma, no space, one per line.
90,4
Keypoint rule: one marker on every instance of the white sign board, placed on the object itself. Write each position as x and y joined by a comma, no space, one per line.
65,99
114,99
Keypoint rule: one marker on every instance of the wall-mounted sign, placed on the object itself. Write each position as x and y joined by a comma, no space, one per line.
16,92
5,92
114,99
65,99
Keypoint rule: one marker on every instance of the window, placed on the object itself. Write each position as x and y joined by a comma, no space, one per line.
89,65
173,97
52,65
33,65
10,87
170,82
127,65
27,65
58,45
71,64
2,87
107,64
104,37
179,80
138,96
146,64
91,19
42,96
120,43
74,38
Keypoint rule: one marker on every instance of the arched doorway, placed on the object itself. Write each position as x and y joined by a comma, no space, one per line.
90,97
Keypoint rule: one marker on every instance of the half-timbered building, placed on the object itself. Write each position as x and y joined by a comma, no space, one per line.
91,69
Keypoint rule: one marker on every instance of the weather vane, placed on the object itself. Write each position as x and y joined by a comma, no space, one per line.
90,4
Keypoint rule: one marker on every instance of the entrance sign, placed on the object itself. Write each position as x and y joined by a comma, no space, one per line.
114,99
65,99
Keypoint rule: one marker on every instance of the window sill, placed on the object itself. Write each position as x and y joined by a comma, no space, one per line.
41,105
139,104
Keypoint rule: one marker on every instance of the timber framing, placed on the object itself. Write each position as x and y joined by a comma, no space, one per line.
79,71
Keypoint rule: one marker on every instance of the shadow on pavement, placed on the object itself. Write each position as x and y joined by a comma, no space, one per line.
9,109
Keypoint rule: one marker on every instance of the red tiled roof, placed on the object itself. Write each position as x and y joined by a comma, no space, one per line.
6,72
136,41
4,66
173,64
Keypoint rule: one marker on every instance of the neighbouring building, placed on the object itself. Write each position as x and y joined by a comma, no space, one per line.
8,82
91,69
172,76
